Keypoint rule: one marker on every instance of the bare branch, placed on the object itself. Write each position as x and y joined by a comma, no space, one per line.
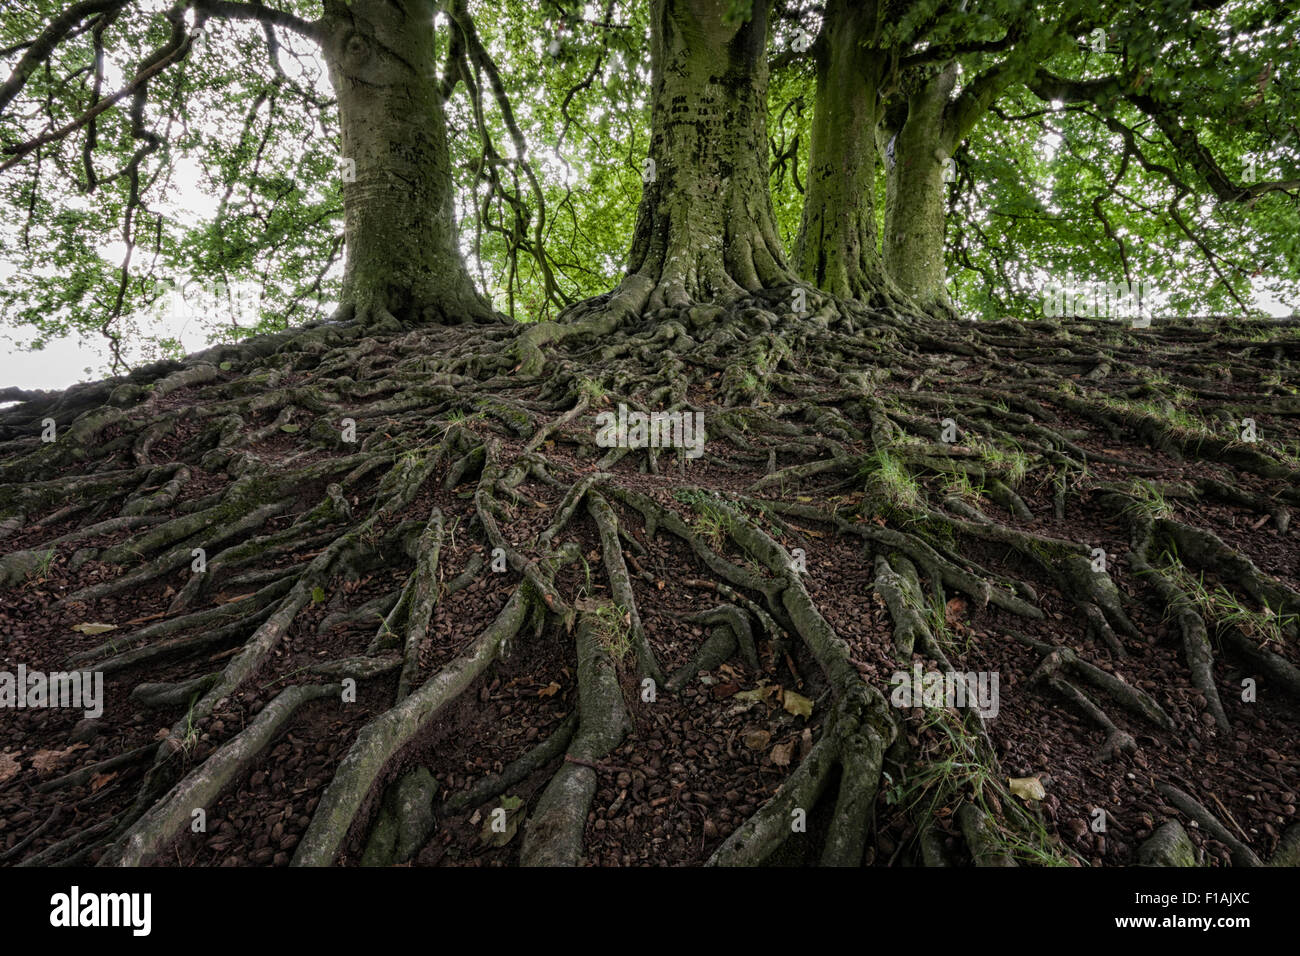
50,38
229,10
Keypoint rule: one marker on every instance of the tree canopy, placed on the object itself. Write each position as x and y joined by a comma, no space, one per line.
148,146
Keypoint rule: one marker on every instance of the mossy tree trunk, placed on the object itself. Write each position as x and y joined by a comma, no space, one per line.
400,226
914,204
935,122
705,229
838,249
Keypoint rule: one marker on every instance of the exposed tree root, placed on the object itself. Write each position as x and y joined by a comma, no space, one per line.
414,513
554,831
164,820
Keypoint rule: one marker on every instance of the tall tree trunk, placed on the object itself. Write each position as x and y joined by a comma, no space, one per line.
400,227
838,247
914,205
705,229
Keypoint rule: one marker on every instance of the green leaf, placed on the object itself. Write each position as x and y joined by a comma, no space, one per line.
1027,788
797,704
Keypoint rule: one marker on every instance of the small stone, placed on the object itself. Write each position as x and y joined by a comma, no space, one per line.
85,731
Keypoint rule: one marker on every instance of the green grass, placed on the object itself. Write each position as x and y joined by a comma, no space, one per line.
959,485
614,630
42,568
710,522
1167,411
1067,477
191,732
592,390
1147,500
1010,464
1288,454
889,478
1223,608
962,775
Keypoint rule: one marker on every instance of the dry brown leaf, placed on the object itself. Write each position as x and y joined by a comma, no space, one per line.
8,766
954,611
758,739
44,761
782,753
723,691
98,781
550,690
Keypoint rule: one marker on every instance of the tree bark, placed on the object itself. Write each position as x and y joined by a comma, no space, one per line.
838,248
914,204
705,229
400,233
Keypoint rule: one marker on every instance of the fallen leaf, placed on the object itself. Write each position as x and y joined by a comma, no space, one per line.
758,739
797,704
98,781
761,692
44,761
550,690
1027,788
725,690
90,628
954,611
782,753
8,766
497,831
